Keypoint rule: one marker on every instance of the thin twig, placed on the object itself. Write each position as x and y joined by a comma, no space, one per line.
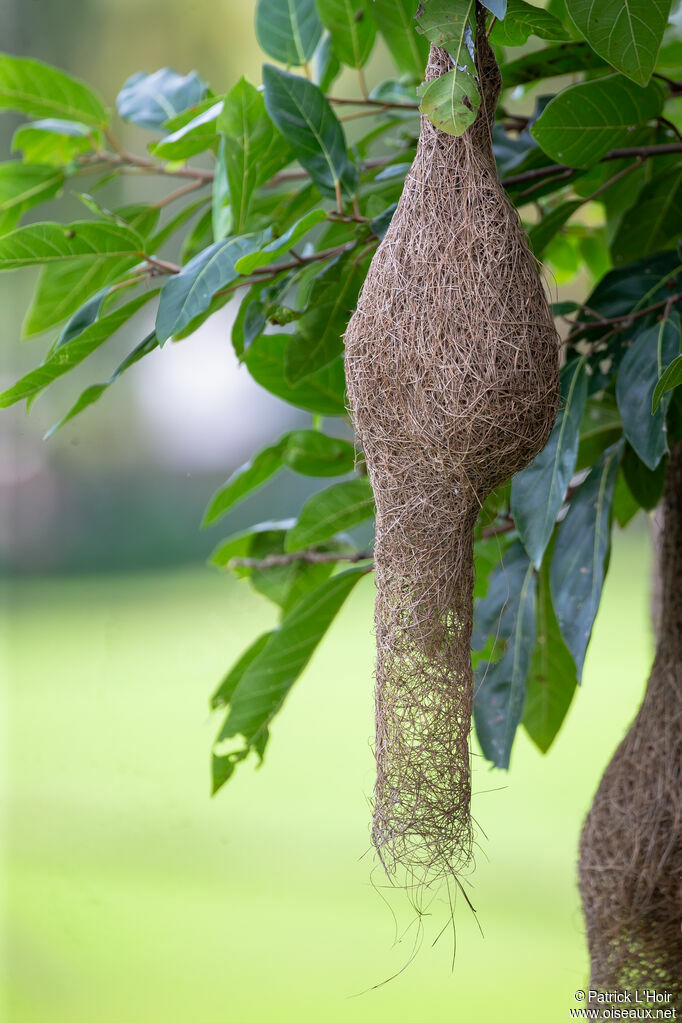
646,152
309,557
191,186
372,103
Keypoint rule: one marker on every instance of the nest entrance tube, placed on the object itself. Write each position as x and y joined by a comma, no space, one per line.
452,372
631,845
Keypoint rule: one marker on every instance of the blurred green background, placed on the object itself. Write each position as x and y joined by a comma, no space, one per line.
127,893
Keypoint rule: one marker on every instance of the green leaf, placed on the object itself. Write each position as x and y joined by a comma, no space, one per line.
266,681
23,185
254,149
311,128
324,392
585,121
552,679
522,21
270,252
500,686
313,453
244,480
352,29
600,427
626,33
194,137
284,585
52,142
652,351
538,491
288,30
319,332
654,222
331,511
670,377
646,485
46,243
443,101
395,20
238,545
187,294
149,100
496,7
64,358
541,234
580,555
84,317
625,505
39,90
93,393
223,694
447,23
564,59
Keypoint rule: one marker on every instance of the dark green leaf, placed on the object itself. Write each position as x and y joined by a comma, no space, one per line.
149,100
311,128
646,486
541,234
395,19
654,222
327,66
380,224
318,339
538,490
552,678
194,137
82,318
495,613
626,33
245,480
563,59
93,393
625,506
313,453
69,355
288,30
600,427
254,149
585,121
52,141
187,294
324,392
580,555
352,28
270,252
39,90
42,244
23,185
331,511
670,378
266,681
524,20
500,686
223,694
652,351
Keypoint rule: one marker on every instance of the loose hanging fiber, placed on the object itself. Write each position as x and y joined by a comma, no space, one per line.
452,365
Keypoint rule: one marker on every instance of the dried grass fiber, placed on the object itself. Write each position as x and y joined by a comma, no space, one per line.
452,371
631,845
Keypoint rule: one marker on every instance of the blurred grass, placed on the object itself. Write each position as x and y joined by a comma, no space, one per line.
131,896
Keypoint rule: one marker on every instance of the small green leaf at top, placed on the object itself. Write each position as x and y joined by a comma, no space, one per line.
395,21
352,29
524,20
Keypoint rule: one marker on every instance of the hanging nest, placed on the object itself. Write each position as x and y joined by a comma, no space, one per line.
452,372
631,845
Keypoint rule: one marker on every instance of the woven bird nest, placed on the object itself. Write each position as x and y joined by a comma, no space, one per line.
452,371
631,845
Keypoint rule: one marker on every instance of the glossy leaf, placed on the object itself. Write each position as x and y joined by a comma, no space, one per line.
149,100
313,453
646,485
69,355
626,33
266,681
254,149
331,511
318,338
223,694
652,351
395,20
552,680
449,24
52,141
187,294
563,59
38,90
523,20
580,555
585,121
538,491
625,505
278,246
23,185
311,128
450,102
196,136
352,29
670,377
500,686
324,392
288,30
46,243
654,222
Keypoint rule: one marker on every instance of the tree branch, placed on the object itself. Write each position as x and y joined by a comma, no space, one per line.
645,152
308,557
